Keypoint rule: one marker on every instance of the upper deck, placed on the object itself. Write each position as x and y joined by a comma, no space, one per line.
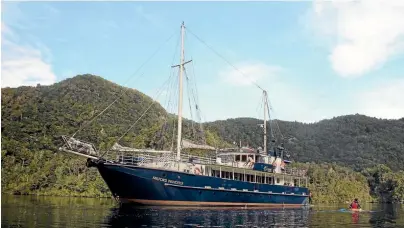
237,164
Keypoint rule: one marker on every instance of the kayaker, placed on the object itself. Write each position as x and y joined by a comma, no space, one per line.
355,204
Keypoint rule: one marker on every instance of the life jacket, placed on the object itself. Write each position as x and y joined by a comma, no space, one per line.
354,205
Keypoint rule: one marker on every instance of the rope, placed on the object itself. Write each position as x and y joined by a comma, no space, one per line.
144,113
128,79
189,103
197,105
214,51
174,119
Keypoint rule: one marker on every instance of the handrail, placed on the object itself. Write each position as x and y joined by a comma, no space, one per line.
164,160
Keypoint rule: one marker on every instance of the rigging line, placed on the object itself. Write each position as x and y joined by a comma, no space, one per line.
174,119
189,103
124,90
168,106
144,113
197,104
276,122
86,124
172,71
170,84
269,117
259,107
224,58
279,130
151,105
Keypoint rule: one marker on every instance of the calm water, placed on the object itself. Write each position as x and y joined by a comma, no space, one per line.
31,211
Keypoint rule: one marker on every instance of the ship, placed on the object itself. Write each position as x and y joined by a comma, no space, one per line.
236,176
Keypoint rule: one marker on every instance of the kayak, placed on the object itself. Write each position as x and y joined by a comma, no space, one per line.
360,209
350,210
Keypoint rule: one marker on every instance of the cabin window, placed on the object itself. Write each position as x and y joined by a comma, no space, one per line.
243,158
269,180
251,156
259,179
250,178
278,180
237,158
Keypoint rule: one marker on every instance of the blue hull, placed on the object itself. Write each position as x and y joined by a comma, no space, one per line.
162,187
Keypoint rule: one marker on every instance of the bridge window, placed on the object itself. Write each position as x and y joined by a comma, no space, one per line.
237,158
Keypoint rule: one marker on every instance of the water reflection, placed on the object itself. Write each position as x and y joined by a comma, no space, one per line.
128,216
31,211
35,211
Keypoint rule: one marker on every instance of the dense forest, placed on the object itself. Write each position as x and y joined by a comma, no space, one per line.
355,141
347,156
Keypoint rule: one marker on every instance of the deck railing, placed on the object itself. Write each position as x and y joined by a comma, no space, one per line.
150,157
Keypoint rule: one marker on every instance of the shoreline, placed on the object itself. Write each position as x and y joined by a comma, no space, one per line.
110,197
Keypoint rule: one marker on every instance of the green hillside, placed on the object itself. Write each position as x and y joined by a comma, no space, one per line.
355,141
34,118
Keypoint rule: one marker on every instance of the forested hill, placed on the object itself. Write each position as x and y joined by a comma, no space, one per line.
38,116
34,118
356,141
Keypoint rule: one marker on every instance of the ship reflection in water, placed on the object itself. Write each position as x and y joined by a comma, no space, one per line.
37,211
129,216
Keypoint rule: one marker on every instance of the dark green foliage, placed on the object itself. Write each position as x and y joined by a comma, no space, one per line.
355,141
330,183
384,184
34,118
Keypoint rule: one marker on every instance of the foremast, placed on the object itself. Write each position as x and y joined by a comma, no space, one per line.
180,99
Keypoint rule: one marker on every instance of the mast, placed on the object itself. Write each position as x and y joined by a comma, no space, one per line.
181,71
265,121
181,66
